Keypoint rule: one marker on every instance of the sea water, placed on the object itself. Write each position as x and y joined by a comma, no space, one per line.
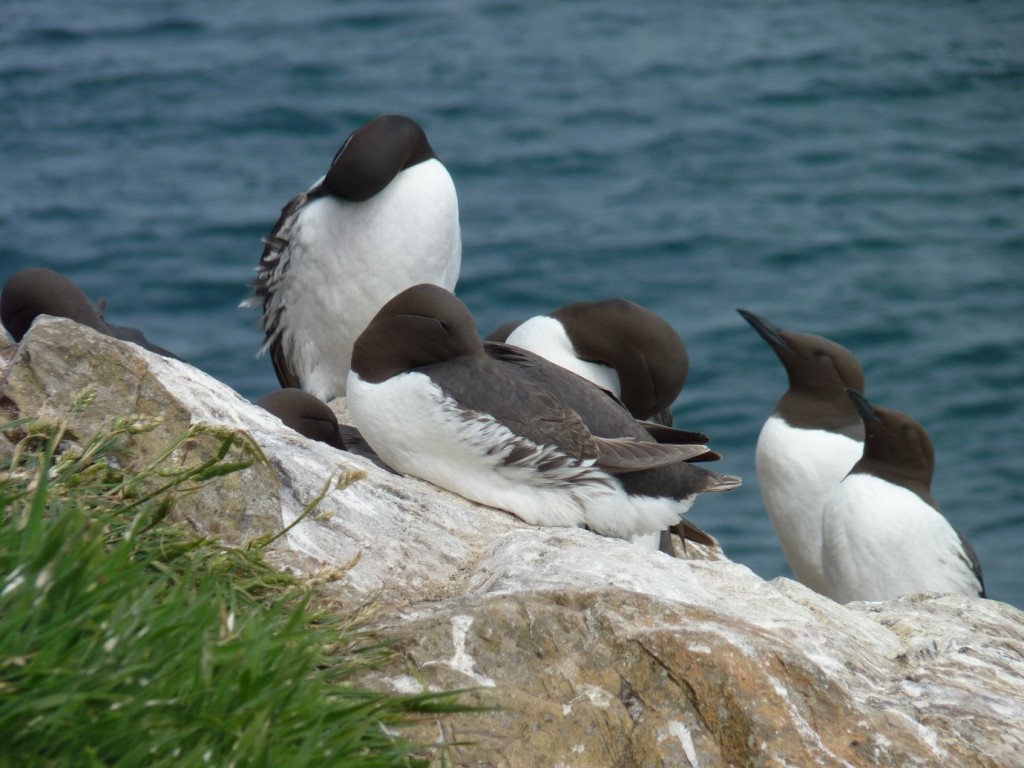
854,170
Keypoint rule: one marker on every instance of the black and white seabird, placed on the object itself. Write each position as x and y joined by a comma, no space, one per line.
624,348
305,414
883,534
617,344
809,443
312,418
36,291
495,425
383,218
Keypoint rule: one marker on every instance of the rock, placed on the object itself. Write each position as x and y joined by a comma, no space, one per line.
7,350
68,372
596,652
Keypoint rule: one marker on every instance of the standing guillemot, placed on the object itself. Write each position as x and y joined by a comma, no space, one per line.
383,218
495,425
35,291
809,442
883,534
618,345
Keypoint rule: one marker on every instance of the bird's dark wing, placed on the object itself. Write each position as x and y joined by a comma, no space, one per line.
623,444
667,434
673,436
273,264
972,561
285,376
629,455
274,246
485,387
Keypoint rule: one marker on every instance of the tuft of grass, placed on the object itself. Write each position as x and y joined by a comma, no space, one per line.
127,640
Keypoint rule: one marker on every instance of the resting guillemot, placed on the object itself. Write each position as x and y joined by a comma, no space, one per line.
620,346
624,348
883,534
509,429
35,291
312,418
383,218
305,414
809,442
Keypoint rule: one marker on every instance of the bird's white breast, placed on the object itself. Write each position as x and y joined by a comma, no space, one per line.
345,260
795,469
880,541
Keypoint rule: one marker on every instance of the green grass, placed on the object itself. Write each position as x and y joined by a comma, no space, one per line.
127,640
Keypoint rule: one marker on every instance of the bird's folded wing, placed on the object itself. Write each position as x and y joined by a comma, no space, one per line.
664,434
624,454
674,436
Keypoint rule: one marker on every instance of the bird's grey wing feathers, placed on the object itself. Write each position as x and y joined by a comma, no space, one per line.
629,455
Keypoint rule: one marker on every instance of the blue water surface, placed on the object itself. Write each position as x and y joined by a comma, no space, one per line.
854,170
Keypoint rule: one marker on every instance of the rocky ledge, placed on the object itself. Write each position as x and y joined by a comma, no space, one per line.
592,651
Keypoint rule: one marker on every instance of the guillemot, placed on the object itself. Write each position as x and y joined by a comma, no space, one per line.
883,534
624,348
808,444
617,344
314,419
36,291
509,429
384,217
307,415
